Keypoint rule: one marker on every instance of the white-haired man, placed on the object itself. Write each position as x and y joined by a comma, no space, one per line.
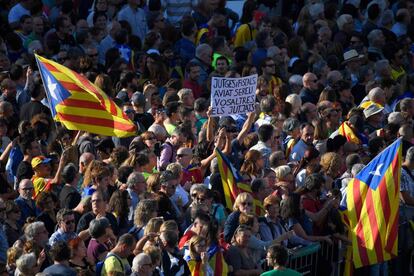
142,265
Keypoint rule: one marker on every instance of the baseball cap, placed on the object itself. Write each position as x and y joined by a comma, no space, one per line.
40,160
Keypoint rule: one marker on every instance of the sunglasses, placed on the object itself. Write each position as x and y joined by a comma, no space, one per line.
181,155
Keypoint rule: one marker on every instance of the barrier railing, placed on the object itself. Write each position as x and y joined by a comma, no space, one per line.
308,259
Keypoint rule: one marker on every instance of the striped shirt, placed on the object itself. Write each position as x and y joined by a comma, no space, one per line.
176,9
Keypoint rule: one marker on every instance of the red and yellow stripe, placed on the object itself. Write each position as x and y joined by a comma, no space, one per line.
88,108
346,131
373,217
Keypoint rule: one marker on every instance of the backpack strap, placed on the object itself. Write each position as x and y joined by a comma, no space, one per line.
110,254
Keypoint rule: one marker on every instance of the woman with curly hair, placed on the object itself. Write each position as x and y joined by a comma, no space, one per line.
146,209
332,168
99,176
253,165
119,206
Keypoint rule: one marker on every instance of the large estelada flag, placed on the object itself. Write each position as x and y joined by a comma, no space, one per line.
234,184
80,105
373,208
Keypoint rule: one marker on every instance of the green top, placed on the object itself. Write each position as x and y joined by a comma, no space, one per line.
170,128
284,272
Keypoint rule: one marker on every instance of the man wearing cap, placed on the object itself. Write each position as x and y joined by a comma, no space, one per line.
42,170
352,62
25,202
191,172
373,118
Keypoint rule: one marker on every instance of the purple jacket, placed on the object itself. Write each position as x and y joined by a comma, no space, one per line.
168,155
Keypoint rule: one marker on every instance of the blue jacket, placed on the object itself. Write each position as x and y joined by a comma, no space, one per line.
27,208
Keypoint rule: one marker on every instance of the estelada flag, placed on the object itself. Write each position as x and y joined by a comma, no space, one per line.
234,184
80,105
373,206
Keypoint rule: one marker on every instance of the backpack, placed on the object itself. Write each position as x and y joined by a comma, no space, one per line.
100,265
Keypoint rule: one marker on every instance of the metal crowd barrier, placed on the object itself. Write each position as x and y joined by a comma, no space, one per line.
305,259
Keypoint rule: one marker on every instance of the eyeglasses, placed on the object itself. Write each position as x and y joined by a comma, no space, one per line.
28,189
181,155
70,222
246,203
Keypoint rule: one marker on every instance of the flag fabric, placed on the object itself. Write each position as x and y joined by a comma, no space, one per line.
346,131
233,183
80,105
216,266
217,262
373,206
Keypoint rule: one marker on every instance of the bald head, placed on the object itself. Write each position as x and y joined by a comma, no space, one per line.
310,81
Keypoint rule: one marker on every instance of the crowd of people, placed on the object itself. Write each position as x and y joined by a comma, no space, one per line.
335,87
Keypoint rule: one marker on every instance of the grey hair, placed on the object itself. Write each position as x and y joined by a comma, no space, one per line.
375,93
373,35
133,178
387,18
214,167
140,260
97,227
318,66
296,80
357,168
32,229
198,188
26,262
381,65
410,155
272,51
202,48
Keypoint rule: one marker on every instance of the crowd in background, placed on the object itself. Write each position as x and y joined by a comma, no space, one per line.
335,87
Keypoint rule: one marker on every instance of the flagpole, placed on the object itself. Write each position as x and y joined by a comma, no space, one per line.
48,100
